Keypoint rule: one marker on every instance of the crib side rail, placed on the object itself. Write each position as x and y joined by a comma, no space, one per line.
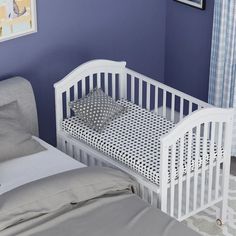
196,156
164,100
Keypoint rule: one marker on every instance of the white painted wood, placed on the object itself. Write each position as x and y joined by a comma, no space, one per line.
106,83
180,180
164,103
212,155
68,111
197,155
140,94
163,175
63,147
226,166
188,174
172,107
218,160
172,178
132,89
83,81
75,91
148,97
69,149
59,111
152,193
88,68
156,99
181,108
190,110
168,88
90,82
99,80
203,174
113,86
123,79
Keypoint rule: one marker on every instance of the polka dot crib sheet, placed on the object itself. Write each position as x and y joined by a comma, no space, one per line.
132,139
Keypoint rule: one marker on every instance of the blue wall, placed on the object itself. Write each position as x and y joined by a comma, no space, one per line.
161,38
188,47
72,32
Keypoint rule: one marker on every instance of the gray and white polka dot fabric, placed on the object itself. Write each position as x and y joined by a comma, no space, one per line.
132,139
96,109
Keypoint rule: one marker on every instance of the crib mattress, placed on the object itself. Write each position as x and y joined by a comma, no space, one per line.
132,139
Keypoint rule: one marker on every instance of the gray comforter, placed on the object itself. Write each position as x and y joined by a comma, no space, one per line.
86,202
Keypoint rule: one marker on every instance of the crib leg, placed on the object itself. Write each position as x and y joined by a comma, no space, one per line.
219,222
223,213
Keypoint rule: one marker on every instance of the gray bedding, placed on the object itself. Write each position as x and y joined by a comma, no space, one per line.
86,202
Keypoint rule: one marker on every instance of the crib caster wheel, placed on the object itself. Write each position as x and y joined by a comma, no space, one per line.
219,222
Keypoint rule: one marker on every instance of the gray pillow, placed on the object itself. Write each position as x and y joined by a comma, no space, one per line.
96,109
15,141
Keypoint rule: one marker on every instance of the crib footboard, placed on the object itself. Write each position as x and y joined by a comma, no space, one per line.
196,156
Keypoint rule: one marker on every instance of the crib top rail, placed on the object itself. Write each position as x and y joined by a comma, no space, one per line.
210,114
167,88
100,65
115,79
87,68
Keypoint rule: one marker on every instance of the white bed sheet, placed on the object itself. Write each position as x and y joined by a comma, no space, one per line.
20,171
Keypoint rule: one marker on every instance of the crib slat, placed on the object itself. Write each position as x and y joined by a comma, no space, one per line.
204,153
172,178
140,93
173,107
76,91
106,82
92,161
114,86
90,83
156,99
181,108
99,80
63,146
148,97
132,89
188,174
190,108
164,103
76,154
227,130
212,155
82,157
68,111
141,191
195,195
152,198
180,189
83,87
69,149
218,160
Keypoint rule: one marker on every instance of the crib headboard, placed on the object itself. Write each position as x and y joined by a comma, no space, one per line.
20,90
105,74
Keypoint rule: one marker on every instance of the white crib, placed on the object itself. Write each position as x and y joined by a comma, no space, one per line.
194,189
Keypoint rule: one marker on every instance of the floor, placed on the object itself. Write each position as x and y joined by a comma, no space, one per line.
205,221
233,166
